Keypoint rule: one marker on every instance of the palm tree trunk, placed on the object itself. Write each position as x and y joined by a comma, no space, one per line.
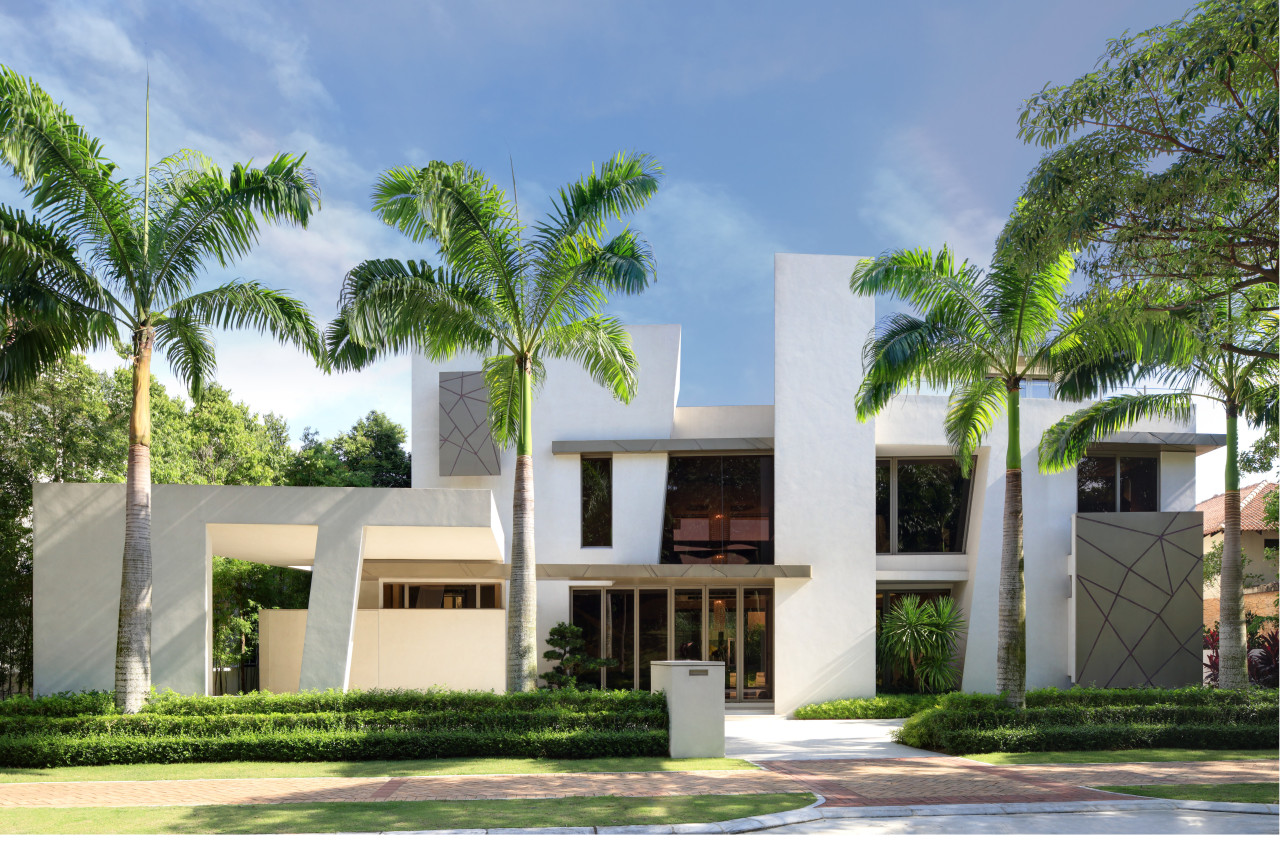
133,637
1233,660
522,640
1011,653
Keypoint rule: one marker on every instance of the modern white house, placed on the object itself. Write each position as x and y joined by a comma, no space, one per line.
764,537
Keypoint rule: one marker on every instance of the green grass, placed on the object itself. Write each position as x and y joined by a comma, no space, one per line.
390,817
1230,792
1118,756
424,767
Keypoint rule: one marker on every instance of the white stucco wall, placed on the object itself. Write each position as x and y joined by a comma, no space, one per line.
824,480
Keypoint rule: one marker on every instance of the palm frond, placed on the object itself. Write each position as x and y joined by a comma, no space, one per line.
933,284
602,347
251,305
503,381
971,413
624,184
904,351
1024,304
186,343
1064,443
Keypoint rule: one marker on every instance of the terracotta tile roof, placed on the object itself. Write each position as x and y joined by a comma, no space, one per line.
1252,502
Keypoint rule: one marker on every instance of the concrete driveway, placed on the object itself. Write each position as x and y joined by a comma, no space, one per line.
775,738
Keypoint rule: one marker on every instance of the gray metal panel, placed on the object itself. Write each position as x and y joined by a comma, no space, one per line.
662,445
466,448
1138,608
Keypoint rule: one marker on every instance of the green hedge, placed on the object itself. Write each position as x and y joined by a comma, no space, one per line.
889,706
84,729
1088,719
62,751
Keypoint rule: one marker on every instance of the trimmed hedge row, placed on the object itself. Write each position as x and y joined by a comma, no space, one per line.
883,707
84,729
1083,719
100,703
550,719
61,751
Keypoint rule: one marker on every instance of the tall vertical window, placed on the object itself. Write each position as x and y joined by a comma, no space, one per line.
719,509
922,506
1118,484
597,502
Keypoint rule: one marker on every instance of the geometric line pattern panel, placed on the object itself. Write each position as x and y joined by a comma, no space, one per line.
1138,599
1138,610
466,448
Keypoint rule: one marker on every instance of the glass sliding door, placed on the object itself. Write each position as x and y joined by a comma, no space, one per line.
652,625
757,645
620,638
586,612
688,624
722,645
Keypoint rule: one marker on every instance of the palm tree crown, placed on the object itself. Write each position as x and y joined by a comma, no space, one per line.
112,262
979,334
518,296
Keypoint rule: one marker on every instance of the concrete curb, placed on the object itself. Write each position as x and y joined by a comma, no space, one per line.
1045,808
724,827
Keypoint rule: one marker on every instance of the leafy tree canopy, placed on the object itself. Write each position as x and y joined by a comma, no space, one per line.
371,453
1164,160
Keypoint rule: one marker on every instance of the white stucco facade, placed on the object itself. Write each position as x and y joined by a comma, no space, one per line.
821,581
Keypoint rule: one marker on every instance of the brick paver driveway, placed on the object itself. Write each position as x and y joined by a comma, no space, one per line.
945,780
843,782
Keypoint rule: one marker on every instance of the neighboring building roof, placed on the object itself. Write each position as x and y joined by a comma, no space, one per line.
1253,499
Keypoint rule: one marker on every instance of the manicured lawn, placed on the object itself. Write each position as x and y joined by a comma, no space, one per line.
1231,792
426,767
391,817
1120,756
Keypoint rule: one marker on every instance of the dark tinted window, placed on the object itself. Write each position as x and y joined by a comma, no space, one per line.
1138,484
1096,484
597,502
882,506
719,509
585,614
933,503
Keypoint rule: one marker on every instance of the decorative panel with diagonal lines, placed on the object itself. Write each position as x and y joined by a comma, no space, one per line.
466,448
1138,607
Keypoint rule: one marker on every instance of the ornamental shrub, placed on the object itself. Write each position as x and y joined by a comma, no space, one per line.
880,707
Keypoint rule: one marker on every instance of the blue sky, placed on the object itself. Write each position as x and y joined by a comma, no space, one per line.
833,128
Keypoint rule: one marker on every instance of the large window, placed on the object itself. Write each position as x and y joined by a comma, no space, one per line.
597,502
922,506
719,509
1118,484
440,596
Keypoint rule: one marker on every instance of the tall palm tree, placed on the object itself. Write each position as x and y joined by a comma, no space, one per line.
981,335
517,297
1196,356
111,262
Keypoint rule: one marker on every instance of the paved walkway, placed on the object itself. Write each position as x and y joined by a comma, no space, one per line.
843,782
194,792
770,738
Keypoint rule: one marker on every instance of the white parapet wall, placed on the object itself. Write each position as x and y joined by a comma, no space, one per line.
695,703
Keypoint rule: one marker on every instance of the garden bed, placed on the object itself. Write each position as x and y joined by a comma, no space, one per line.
84,729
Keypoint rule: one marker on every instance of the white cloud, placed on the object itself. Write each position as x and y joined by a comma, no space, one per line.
97,39
919,197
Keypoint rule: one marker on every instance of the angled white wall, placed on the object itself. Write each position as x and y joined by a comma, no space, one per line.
824,484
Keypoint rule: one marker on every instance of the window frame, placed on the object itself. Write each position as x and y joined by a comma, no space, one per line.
893,507
1117,455
500,595
582,527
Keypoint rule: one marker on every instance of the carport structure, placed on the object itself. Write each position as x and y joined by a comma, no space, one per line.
79,541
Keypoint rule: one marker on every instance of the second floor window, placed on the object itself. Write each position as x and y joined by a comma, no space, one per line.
922,506
597,502
719,510
1117,484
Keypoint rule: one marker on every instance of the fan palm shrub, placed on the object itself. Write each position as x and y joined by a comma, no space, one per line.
979,334
105,261
519,297
920,639
1224,353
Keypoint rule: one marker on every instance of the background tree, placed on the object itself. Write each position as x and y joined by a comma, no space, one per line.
371,453
979,335
519,298
122,261
1164,160
1189,356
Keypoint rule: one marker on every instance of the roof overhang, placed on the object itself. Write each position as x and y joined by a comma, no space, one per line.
1182,442
711,571
662,445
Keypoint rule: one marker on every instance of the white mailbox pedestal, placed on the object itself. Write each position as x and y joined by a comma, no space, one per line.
695,701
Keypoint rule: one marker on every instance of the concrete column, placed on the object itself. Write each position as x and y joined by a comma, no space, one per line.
331,608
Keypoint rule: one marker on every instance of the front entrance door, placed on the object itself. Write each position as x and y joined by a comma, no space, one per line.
638,625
